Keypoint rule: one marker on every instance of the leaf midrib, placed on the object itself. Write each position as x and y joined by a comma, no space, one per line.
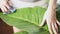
23,19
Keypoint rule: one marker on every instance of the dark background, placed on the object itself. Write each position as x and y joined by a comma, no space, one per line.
5,28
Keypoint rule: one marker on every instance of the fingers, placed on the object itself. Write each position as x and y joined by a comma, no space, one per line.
54,28
4,6
4,9
58,22
7,6
49,27
42,23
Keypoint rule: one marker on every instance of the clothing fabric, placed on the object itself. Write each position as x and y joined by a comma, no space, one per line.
29,0
23,4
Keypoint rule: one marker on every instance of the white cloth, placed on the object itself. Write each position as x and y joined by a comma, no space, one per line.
22,4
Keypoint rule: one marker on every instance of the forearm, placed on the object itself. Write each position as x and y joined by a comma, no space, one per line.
52,8
52,5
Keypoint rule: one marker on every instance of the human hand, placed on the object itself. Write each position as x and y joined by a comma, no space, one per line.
51,20
4,5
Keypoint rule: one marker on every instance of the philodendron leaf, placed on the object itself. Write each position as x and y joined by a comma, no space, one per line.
22,32
40,32
26,19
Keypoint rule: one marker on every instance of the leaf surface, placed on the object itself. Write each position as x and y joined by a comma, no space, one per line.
27,19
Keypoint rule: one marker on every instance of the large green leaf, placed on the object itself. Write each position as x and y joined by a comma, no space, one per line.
27,19
22,32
